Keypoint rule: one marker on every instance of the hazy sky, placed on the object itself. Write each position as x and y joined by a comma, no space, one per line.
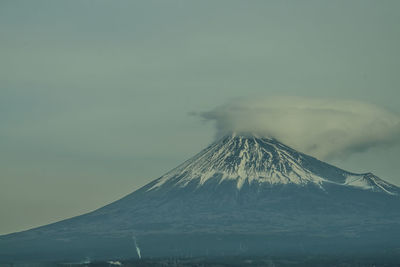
96,96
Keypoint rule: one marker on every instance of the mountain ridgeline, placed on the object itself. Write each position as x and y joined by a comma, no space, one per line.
242,195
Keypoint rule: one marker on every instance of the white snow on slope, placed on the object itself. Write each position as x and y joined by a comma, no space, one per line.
261,160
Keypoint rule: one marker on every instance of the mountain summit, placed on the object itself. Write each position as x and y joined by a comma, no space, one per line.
249,159
241,195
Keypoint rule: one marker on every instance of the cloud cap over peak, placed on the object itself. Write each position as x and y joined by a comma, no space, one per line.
325,128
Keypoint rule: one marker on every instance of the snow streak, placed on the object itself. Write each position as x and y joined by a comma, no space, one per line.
249,159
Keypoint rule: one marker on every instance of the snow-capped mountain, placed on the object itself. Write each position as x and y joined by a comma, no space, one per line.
248,159
240,195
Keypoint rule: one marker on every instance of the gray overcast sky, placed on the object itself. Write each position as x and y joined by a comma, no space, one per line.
95,95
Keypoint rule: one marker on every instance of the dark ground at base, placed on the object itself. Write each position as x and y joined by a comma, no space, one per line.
312,261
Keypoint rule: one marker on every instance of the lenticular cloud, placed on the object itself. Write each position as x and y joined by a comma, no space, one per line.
324,128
